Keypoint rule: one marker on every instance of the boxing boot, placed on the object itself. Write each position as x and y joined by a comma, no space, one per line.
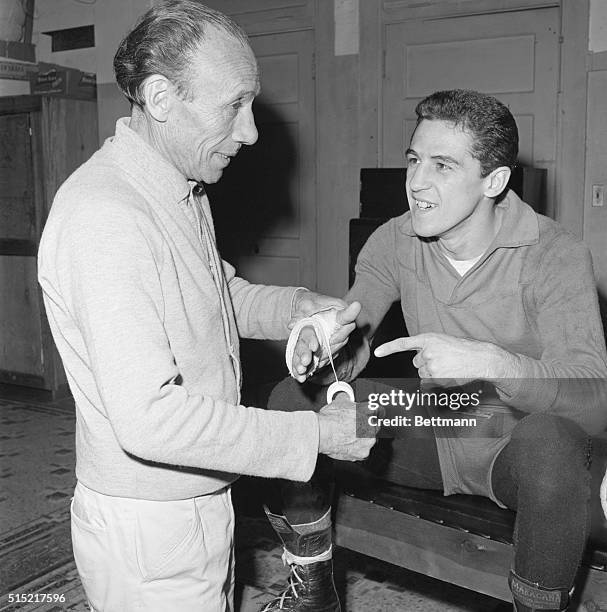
308,552
530,597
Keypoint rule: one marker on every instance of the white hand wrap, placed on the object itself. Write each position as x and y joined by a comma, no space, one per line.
324,322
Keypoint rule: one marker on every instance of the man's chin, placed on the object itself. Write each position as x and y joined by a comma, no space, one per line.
209,179
423,231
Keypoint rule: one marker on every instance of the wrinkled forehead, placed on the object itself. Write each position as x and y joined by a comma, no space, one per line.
222,59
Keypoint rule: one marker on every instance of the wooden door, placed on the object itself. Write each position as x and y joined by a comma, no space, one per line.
264,205
511,55
21,356
42,141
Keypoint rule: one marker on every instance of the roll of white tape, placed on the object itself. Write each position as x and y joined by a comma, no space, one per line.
339,387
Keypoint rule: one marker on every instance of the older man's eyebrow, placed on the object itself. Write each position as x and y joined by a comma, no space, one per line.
243,95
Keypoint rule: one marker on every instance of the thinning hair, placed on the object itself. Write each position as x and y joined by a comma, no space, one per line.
163,42
485,118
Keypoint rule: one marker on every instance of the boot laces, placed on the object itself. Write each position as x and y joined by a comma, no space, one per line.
289,594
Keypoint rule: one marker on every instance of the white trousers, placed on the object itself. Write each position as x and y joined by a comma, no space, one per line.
156,556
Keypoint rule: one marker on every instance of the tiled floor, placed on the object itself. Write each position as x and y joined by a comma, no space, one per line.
36,483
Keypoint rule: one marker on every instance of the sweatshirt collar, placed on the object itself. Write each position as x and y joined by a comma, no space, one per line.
146,165
519,226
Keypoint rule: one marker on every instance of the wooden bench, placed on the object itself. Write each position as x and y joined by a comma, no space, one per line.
462,539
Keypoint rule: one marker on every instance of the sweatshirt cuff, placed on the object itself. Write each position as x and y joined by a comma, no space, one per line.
306,435
294,298
531,391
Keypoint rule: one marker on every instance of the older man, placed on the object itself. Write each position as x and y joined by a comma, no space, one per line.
491,292
147,316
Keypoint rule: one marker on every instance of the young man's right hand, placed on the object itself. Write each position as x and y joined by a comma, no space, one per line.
339,438
308,344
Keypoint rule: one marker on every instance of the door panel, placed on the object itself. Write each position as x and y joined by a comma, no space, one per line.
20,326
512,55
17,204
458,64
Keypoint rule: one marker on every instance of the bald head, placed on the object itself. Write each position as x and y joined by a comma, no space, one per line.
165,40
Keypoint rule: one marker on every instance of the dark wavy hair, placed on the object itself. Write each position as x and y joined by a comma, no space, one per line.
163,42
491,124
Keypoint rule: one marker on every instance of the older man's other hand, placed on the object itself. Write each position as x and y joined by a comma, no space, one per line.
338,432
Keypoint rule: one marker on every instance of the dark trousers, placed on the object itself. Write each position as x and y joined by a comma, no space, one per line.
542,474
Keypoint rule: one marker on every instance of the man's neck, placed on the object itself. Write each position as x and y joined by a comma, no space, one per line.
141,126
474,235
145,129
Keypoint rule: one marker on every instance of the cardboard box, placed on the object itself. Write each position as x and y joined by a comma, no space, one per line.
17,71
54,80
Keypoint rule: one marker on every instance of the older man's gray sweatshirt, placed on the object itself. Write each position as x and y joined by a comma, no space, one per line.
137,319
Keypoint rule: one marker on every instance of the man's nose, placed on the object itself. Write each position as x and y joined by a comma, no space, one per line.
245,130
417,177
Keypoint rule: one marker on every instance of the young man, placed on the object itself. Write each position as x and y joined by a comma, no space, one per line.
490,292
147,316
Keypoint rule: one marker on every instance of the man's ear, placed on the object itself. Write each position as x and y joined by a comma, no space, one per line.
157,94
496,181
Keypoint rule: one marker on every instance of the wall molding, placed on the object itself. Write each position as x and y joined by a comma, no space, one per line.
404,10
571,118
270,16
237,7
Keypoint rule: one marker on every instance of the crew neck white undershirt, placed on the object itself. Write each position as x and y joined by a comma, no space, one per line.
462,265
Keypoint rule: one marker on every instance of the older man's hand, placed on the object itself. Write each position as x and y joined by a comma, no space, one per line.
338,432
308,345
443,357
